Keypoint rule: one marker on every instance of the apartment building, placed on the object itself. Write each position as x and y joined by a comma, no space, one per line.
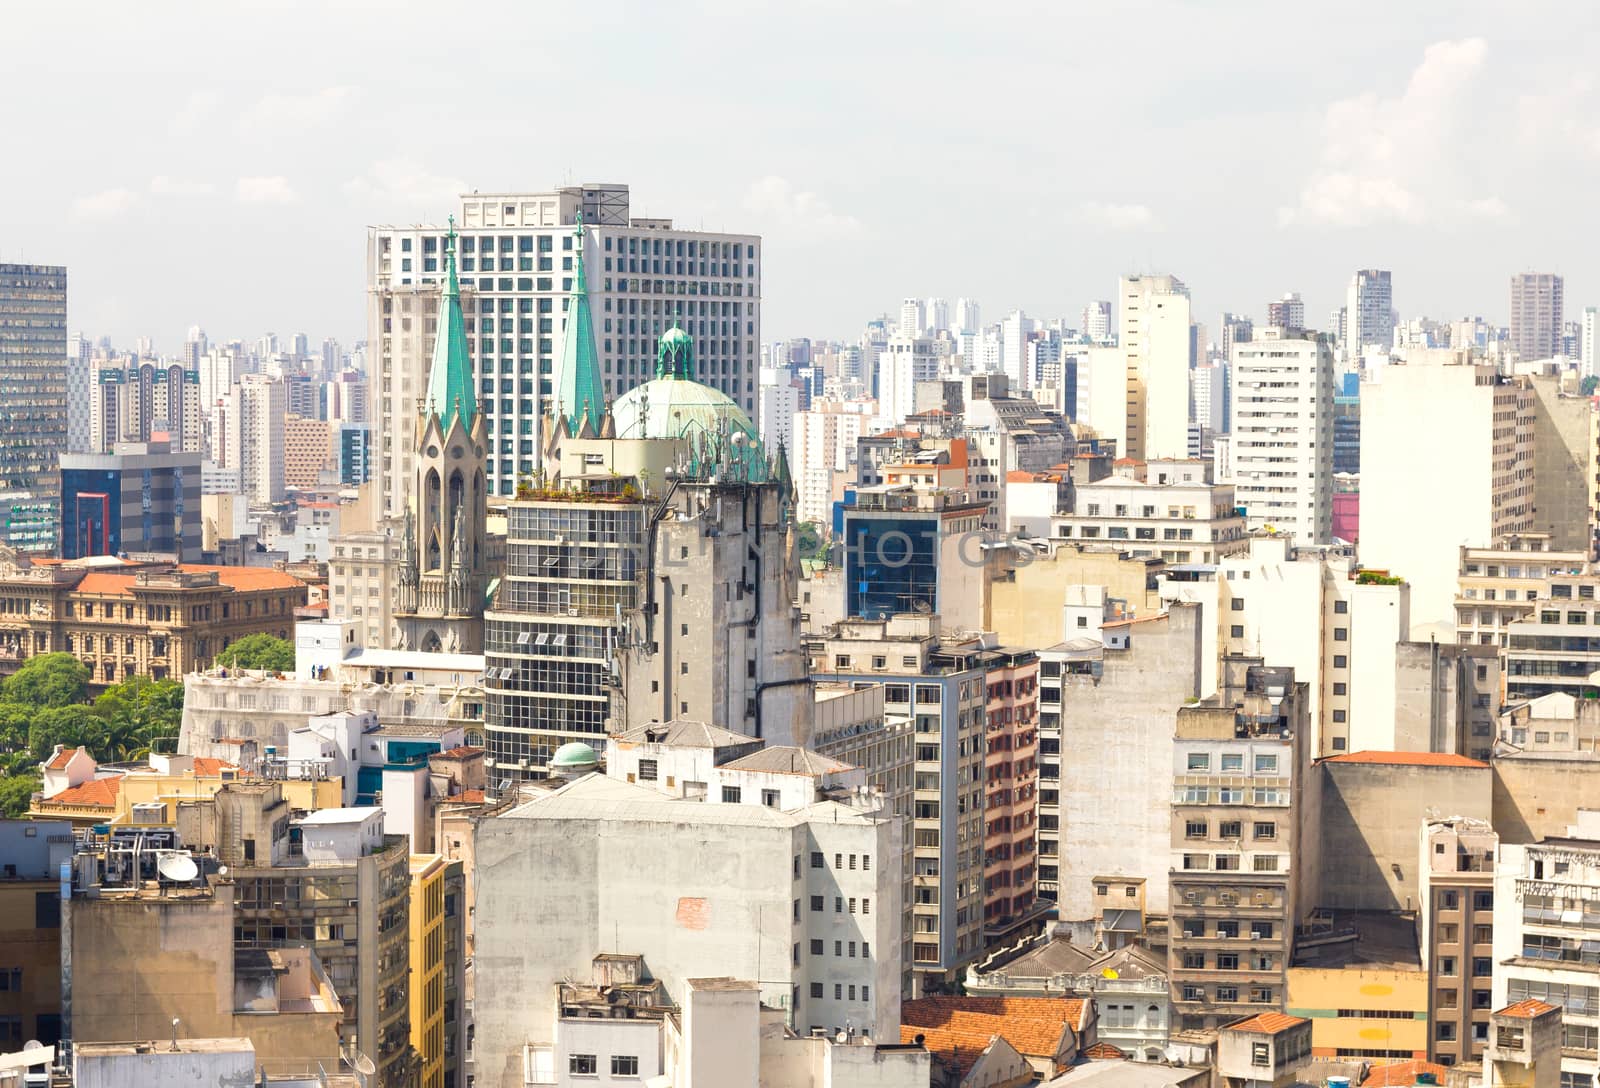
30,933
34,419
1282,440
1473,452
1079,658
517,257
1154,338
941,682
1497,584
1169,509
1240,763
1456,896
1556,646
1011,788
364,580
1536,315
1547,937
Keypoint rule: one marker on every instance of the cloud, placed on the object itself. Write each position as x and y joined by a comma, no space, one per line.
1093,213
196,108
299,110
393,182
265,190
783,205
1404,159
107,204
1561,119
162,185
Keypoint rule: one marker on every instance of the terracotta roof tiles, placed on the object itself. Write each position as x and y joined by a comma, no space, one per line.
1033,1025
96,793
1402,1074
1407,759
59,761
1270,1023
1527,1009
1105,1052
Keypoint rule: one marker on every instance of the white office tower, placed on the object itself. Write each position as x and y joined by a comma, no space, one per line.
1586,340
1282,430
1368,312
1447,457
969,318
515,259
1288,312
1208,394
937,315
911,317
777,401
1155,337
1096,322
1014,333
255,414
821,458
905,361
1536,318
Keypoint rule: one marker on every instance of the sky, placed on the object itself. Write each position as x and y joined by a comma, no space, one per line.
217,164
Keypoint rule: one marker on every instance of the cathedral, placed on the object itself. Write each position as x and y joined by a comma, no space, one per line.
443,574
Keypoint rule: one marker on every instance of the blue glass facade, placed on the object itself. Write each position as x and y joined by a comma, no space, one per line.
91,509
891,565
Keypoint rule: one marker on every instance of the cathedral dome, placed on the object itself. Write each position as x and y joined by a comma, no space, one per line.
674,405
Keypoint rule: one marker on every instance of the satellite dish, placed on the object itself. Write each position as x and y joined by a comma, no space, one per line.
178,868
363,1065
32,1044
222,870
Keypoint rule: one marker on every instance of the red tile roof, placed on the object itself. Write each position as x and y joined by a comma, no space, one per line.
1033,1025
1526,1009
469,797
206,767
1402,1074
1407,759
461,752
1105,1052
240,579
59,760
959,1049
1269,1023
97,793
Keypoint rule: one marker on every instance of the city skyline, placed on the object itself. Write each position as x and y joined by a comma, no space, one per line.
1385,173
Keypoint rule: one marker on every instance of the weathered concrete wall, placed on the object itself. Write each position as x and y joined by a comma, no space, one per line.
1371,816
1538,796
1116,761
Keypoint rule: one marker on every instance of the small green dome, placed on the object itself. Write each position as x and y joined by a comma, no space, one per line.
675,338
574,755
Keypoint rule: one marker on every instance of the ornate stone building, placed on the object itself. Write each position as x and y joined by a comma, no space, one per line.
122,618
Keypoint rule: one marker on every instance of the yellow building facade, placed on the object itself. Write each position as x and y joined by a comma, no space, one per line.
1368,1012
427,965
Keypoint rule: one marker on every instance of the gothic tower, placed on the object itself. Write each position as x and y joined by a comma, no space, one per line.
444,575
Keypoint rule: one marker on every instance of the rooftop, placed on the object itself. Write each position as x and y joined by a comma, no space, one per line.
239,579
1266,1023
1526,1010
1104,1074
414,660
1360,938
683,733
788,759
1407,759
1403,1074
332,816
59,760
599,798
164,1046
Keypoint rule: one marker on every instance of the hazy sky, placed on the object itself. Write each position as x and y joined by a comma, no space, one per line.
218,163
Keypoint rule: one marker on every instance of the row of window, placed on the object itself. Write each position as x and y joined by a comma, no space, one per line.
840,990
1265,762
1265,830
588,1065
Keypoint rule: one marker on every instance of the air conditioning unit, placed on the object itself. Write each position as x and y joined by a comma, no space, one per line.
1191,897
1254,936
1228,898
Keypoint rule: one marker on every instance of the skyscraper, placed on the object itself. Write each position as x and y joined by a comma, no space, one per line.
1236,329
911,317
1536,327
1096,322
1283,434
256,410
1369,311
1156,339
33,393
1288,312
937,315
1586,343
968,317
516,269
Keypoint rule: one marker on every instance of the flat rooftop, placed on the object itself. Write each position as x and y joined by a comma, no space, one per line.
1361,938
327,816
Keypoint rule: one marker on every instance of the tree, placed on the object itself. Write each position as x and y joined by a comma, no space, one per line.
1587,386
16,793
140,713
72,726
48,680
259,651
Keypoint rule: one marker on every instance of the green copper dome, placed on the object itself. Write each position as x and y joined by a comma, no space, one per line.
674,405
574,755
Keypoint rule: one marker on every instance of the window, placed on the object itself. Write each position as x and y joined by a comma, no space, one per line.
730,795
1236,631
769,798
816,990
1229,829
583,1065
1199,761
1232,761
624,1065
1227,961
1266,764
1483,900
816,903
816,861
1238,604
1341,634
1341,607
1194,829
647,770
1447,966
817,947
1260,1054
1266,829
1340,661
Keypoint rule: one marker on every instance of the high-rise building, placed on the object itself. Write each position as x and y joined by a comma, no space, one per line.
1014,333
903,363
142,498
1236,329
1368,312
516,268
1282,430
969,318
1096,322
80,379
1536,321
912,319
1288,312
1468,478
1456,868
937,315
33,392
256,413
1155,337
777,402
1209,397
1586,344
354,453
143,401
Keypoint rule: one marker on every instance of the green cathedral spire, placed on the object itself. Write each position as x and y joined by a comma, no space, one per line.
580,391
450,391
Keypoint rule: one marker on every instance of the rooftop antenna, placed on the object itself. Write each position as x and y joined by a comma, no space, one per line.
175,1023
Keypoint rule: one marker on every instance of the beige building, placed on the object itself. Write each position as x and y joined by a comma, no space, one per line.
363,578
1456,912
1169,509
1497,584
307,450
1025,604
1154,338
1564,477
1468,476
